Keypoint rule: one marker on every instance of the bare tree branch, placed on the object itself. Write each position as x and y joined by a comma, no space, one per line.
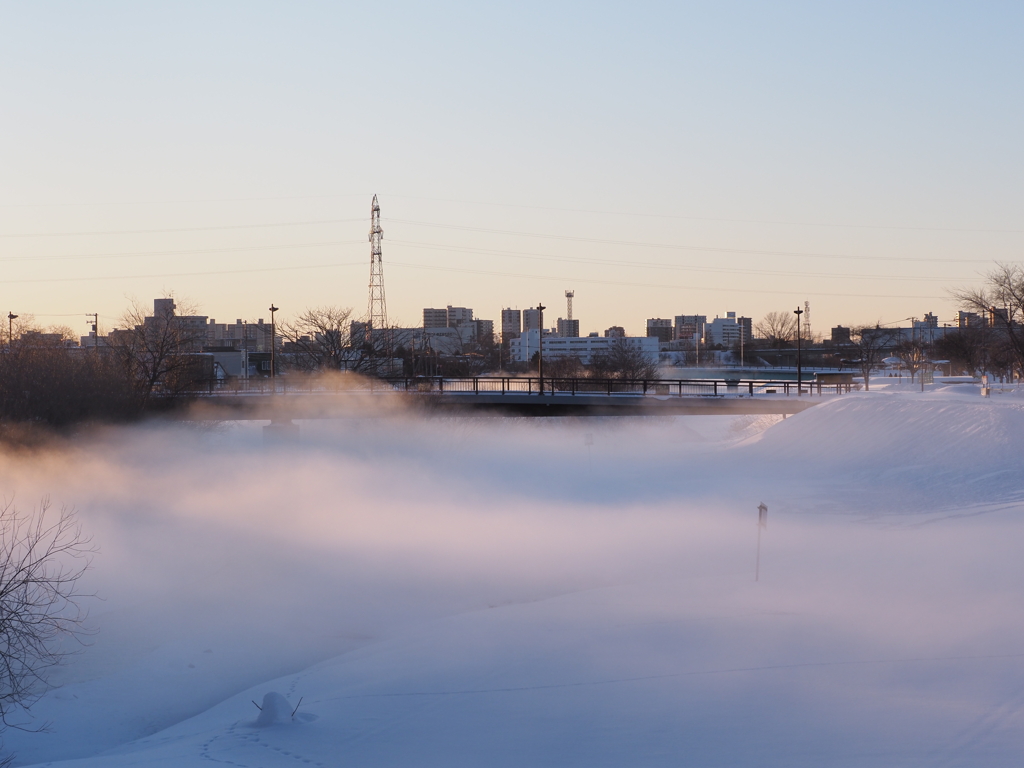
42,558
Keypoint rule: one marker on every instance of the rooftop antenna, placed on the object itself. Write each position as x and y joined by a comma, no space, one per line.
568,301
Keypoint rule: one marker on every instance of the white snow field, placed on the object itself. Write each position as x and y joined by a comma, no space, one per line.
405,591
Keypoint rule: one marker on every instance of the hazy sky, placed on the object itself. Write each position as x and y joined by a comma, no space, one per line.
658,159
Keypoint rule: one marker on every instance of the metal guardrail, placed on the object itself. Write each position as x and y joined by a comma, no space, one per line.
528,385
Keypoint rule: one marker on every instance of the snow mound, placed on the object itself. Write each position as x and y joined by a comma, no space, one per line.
899,452
276,709
894,429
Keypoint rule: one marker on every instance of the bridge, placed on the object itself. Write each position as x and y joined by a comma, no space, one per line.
312,398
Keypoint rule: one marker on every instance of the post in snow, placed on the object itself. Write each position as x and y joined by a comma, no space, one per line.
762,522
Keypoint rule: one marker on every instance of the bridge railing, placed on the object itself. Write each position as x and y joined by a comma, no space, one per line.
526,385
588,386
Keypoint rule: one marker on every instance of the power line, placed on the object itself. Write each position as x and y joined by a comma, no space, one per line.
673,246
176,202
591,211
659,285
178,252
652,265
836,225
179,229
184,274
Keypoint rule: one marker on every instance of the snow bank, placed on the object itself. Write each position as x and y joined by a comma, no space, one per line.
509,592
897,453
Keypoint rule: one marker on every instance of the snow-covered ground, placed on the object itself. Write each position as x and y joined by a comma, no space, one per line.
501,592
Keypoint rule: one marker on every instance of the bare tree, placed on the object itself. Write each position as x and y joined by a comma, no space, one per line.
564,367
913,354
777,328
326,338
1001,300
624,360
321,339
967,349
42,558
872,342
157,351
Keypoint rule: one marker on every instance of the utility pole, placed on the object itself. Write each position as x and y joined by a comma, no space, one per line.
11,317
540,347
741,343
95,330
799,369
273,348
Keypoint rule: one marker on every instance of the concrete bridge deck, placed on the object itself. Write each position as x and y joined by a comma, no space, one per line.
342,404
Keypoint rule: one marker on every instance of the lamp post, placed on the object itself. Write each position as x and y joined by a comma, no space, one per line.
11,317
540,348
273,348
799,368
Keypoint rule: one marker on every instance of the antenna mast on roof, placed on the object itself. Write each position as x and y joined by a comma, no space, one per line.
568,301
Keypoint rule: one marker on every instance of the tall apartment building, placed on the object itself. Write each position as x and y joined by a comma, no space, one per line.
484,330
435,318
459,315
660,329
531,320
568,329
511,324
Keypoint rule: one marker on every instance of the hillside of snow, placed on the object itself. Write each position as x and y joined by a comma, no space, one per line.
465,592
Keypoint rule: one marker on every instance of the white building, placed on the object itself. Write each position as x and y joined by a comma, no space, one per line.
727,330
586,348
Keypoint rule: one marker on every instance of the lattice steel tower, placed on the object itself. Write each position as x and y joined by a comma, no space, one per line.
377,314
568,302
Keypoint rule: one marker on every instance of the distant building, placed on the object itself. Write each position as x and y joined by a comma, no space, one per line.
841,335
435,318
690,327
484,331
615,332
586,348
660,328
728,331
969,320
568,329
511,324
459,315
358,331
724,331
531,319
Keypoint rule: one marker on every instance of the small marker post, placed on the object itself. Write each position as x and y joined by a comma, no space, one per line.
762,522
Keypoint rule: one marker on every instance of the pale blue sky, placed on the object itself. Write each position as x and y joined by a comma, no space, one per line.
864,157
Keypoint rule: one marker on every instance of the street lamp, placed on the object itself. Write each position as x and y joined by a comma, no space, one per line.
540,347
799,369
273,347
11,317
